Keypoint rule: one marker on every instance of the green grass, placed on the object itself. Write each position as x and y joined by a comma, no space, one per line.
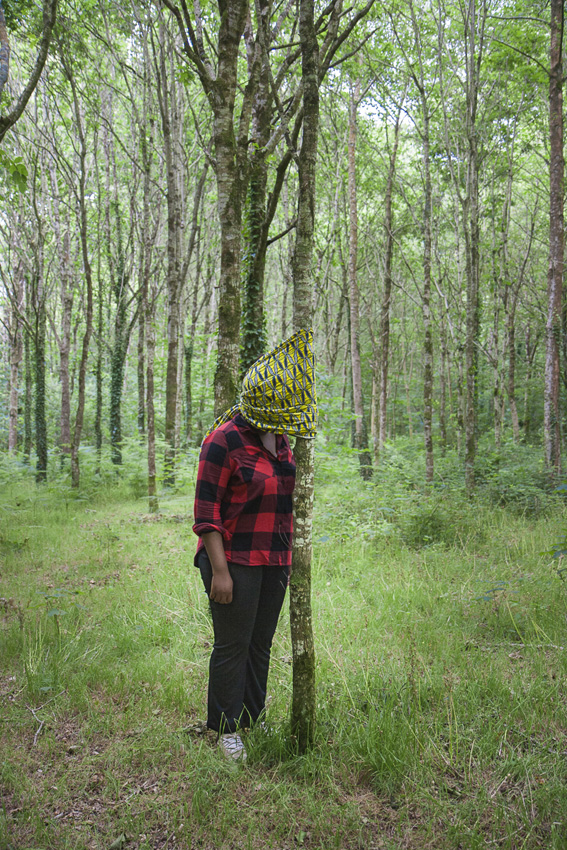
441,646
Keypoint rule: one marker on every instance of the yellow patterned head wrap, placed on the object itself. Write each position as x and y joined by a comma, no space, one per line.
278,390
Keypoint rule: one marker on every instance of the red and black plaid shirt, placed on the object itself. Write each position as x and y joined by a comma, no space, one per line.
245,493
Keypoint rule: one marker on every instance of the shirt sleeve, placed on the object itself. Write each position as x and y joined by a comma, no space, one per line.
212,480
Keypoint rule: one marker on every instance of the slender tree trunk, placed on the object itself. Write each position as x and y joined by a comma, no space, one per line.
473,319
494,356
153,503
63,245
253,329
360,435
99,374
40,322
531,348
180,368
28,381
120,341
511,383
374,414
443,376
303,707
229,202
146,145
119,281
556,247
426,303
472,240
140,360
16,355
39,355
407,387
170,121
65,347
188,350
384,342
427,243
100,341
461,401
83,228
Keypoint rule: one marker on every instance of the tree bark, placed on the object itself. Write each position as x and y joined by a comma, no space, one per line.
360,434
229,203
552,433
171,124
63,244
303,709
253,329
39,356
16,355
384,341
146,145
153,503
83,229
426,300
28,378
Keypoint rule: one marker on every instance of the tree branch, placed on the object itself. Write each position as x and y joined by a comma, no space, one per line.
49,17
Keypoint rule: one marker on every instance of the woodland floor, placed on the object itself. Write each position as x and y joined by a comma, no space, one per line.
442,707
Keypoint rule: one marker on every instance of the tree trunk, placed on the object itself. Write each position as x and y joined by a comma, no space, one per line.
146,145
153,503
531,349
443,387
118,282
360,434
140,370
471,216
229,202
83,228
472,319
253,329
511,383
421,85
63,244
303,700
120,341
384,341
171,125
39,357
65,346
39,297
28,381
16,354
99,374
426,303
556,248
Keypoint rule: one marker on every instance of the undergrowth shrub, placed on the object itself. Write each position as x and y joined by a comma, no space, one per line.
432,522
515,478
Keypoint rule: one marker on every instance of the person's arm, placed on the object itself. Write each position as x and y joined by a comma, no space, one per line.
221,584
212,480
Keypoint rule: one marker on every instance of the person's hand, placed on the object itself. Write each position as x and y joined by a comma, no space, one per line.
221,588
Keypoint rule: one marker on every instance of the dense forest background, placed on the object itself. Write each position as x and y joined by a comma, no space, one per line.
437,299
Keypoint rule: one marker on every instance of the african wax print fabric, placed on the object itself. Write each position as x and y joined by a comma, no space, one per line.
278,391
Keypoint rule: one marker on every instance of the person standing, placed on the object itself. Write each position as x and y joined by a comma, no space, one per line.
244,520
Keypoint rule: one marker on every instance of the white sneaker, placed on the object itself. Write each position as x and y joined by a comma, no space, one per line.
232,747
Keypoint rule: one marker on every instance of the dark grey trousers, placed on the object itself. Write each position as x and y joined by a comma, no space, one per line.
244,630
